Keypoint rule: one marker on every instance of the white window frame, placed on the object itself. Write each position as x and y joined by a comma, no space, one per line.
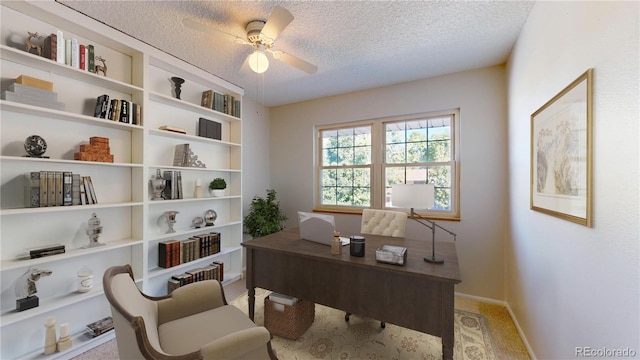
378,166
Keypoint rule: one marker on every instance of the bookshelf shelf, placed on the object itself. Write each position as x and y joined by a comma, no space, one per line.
69,254
44,64
92,207
65,161
187,137
131,233
11,106
192,231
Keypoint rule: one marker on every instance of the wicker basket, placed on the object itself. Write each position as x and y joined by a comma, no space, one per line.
290,323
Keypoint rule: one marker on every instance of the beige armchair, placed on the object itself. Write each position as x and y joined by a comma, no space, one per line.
194,322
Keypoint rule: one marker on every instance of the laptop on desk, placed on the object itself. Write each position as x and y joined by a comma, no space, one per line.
318,228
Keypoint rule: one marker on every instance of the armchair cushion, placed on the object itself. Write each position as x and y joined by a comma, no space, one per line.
183,335
188,300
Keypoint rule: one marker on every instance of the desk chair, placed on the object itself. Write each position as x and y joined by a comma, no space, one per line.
382,222
193,322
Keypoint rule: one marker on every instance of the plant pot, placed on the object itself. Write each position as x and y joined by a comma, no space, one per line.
217,192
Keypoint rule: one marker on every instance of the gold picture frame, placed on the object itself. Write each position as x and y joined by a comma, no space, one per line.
561,153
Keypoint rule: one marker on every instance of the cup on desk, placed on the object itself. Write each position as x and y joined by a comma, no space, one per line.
356,246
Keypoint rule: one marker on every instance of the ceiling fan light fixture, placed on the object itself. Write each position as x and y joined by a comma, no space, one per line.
258,61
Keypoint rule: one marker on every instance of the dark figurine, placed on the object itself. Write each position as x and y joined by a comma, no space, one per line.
177,82
27,286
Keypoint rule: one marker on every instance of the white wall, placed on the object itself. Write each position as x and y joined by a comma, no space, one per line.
568,285
255,152
481,97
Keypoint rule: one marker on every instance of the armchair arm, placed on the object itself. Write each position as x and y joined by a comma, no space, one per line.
191,299
237,344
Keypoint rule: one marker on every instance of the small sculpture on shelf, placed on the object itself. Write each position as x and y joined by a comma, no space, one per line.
177,86
35,146
31,45
210,216
198,222
102,67
157,185
94,229
170,216
26,289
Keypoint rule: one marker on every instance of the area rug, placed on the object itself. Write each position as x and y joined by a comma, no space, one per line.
331,337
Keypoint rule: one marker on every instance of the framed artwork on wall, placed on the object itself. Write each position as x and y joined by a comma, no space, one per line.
561,153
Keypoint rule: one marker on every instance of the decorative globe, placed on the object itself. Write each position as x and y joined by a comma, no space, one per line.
35,145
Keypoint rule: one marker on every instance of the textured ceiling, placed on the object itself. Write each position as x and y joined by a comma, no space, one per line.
355,44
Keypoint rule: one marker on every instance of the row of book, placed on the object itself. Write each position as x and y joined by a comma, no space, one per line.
123,111
173,187
69,51
58,188
223,103
215,271
175,252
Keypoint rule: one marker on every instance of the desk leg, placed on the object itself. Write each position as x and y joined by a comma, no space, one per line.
250,286
447,321
252,303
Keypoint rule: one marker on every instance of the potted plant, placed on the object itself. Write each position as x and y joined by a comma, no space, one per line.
217,186
265,216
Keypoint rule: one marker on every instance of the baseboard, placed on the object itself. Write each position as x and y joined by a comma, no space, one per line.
511,314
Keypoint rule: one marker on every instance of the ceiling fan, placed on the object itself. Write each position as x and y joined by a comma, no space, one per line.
261,36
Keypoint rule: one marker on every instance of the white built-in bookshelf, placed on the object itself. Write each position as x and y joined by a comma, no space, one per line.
133,224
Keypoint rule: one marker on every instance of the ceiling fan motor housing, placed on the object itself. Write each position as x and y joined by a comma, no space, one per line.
254,29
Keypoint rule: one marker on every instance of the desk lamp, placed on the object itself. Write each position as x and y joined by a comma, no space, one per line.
420,196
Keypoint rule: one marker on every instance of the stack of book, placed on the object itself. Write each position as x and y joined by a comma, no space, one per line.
100,327
58,188
32,91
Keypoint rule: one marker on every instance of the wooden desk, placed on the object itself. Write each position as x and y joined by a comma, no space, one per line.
418,295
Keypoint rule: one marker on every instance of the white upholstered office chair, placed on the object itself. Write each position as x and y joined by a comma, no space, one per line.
382,222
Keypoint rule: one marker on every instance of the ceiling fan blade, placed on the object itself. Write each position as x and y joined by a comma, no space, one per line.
294,61
212,31
278,20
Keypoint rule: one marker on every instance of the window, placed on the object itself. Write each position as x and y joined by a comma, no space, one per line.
358,162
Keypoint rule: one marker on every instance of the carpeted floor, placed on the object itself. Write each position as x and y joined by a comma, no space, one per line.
330,337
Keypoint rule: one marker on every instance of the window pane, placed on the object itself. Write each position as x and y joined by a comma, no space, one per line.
328,177
344,177
329,157
440,176
417,152
442,199
362,155
328,195
345,156
439,151
395,154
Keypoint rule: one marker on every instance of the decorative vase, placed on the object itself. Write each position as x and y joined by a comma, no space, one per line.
217,192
